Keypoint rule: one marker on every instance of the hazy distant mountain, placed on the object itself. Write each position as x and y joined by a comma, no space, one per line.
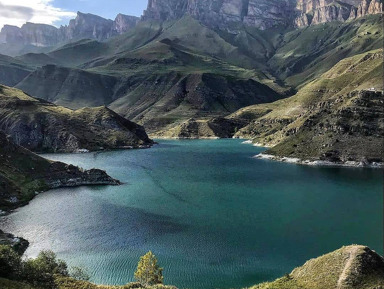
84,26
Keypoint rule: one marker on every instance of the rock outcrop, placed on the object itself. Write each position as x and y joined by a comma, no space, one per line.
124,23
23,174
84,26
44,127
312,12
219,14
262,14
18,244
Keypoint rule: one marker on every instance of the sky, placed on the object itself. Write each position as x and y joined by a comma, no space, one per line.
59,12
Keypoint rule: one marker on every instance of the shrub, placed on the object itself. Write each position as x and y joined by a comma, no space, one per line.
42,270
148,272
10,263
79,273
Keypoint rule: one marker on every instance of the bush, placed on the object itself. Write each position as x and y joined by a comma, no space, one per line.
10,263
79,273
148,272
42,270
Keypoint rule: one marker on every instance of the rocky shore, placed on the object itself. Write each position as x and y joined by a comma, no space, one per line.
24,174
353,164
20,245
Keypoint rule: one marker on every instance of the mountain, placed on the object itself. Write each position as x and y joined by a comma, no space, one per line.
351,267
337,117
314,12
226,15
23,174
42,126
12,70
33,37
190,61
261,14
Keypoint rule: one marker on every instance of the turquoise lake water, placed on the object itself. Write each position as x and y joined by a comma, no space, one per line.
214,216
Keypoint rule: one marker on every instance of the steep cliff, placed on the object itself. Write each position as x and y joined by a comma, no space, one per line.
220,14
312,12
262,14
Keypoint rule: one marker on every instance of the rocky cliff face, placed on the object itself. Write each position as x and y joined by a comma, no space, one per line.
83,26
262,14
44,127
123,23
312,12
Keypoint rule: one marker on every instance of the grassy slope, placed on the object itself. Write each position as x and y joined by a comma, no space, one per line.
352,267
305,54
42,126
8,284
325,114
145,73
12,70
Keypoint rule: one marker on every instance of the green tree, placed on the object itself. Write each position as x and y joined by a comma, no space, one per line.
79,273
10,262
42,270
148,272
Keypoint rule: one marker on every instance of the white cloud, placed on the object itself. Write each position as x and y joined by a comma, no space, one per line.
17,12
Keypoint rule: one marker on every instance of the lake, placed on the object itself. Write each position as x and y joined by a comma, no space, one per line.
214,216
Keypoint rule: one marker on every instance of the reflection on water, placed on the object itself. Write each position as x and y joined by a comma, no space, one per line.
213,215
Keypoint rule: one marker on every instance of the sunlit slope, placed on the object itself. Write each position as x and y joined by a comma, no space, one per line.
351,267
336,117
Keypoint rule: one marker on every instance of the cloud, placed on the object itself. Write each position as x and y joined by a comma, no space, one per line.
17,12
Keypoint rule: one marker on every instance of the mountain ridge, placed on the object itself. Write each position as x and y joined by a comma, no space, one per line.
224,15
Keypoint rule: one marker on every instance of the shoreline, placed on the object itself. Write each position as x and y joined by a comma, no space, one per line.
319,163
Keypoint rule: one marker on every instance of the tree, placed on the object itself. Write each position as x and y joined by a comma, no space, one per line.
79,273
42,270
148,272
10,262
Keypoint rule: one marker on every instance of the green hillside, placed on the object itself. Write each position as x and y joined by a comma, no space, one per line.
335,117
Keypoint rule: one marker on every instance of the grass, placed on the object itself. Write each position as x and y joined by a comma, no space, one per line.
8,284
351,267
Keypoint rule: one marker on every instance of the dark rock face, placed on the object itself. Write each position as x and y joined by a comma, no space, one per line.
41,126
18,244
74,176
84,26
23,174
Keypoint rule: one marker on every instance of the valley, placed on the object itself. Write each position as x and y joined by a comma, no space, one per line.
239,139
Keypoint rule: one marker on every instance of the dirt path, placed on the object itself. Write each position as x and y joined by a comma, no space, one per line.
347,268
